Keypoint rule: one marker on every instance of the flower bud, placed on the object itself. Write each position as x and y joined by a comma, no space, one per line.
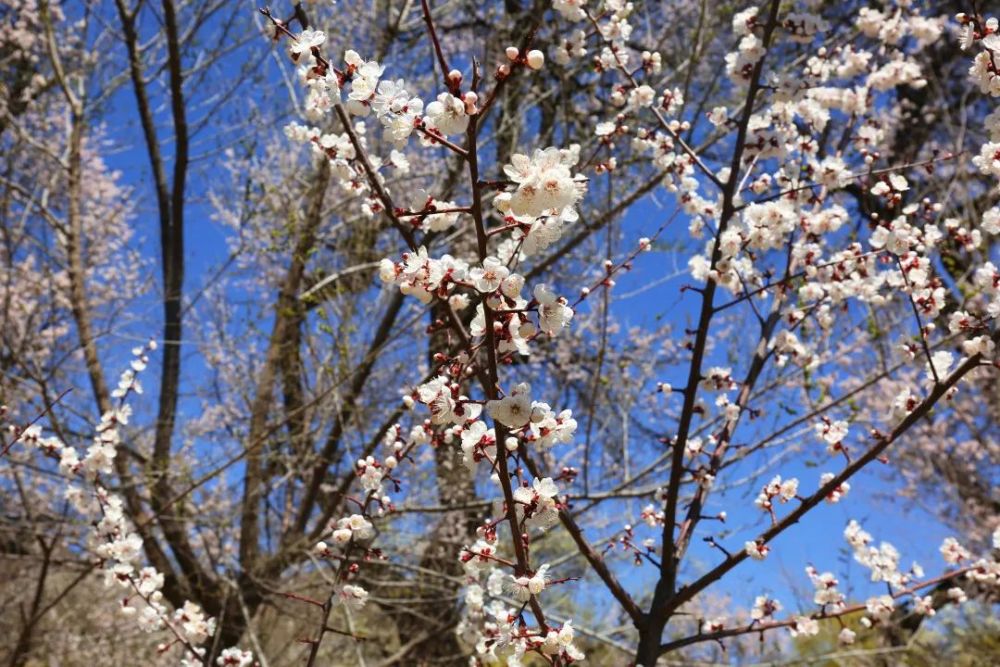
470,99
535,59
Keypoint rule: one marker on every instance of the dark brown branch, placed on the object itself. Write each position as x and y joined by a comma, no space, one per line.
940,389
665,587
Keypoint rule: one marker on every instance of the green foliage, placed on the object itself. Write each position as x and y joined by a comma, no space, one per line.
820,650
956,637
967,637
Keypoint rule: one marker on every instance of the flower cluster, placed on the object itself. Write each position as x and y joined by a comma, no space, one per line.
114,540
545,186
538,503
346,529
783,491
826,594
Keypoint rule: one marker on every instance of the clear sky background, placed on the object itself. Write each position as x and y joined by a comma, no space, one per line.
818,540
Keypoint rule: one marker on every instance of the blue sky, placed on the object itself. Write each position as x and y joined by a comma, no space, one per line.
818,539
